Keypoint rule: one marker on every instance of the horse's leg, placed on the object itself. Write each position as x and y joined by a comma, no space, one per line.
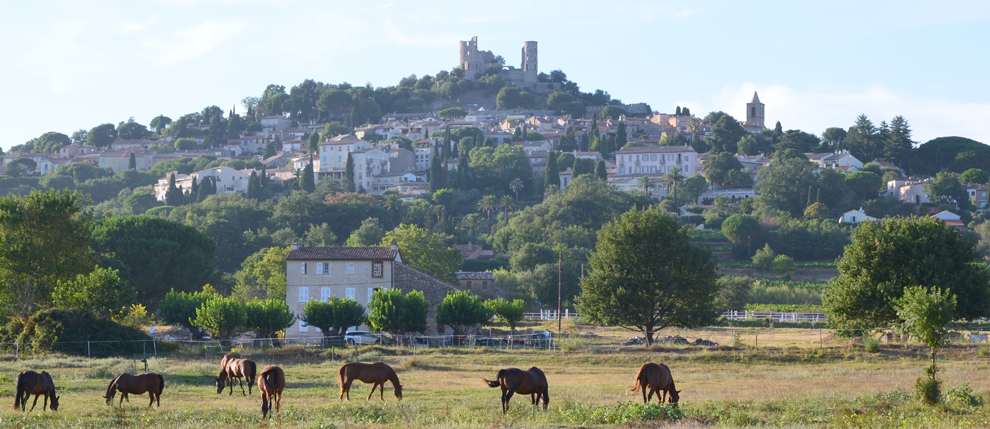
347,389
151,396
381,390
532,398
644,392
35,403
44,405
373,386
240,383
508,396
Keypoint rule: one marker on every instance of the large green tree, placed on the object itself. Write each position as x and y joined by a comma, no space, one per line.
784,185
101,135
43,240
220,316
646,275
887,257
334,316
727,133
864,183
267,317
946,188
425,251
158,254
179,308
101,292
718,168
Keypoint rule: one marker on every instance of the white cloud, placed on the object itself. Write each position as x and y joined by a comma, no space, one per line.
817,108
189,43
134,27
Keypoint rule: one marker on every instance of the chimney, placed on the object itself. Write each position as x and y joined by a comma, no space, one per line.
295,245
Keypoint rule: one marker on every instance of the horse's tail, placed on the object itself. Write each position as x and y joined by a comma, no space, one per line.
161,384
19,391
113,384
498,379
266,376
639,379
340,377
252,371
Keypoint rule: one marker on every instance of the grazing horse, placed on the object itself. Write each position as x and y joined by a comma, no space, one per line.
376,373
515,380
126,383
31,383
659,380
231,368
270,385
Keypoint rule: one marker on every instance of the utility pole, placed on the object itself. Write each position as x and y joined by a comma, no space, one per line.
560,265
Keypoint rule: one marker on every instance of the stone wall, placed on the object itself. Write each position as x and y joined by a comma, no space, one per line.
408,279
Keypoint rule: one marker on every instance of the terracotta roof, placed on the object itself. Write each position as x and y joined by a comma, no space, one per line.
341,253
487,275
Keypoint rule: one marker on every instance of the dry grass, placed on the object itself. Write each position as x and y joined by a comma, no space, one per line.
795,384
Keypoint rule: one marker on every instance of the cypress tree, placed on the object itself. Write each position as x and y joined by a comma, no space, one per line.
593,134
314,142
678,112
578,168
349,168
437,175
445,149
194,192
264,176
308,181
463,180
620,136
173,196
252,188
132,162
552,176
600,170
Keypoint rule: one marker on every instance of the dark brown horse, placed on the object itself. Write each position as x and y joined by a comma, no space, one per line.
657,377
270,385
31,383
126,383
231,368
376,373
514,380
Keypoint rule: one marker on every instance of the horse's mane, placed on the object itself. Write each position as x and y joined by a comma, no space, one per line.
113,383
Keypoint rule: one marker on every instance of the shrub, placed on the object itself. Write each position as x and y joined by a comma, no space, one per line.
870,344
68,331
220,316
783,265
962,395
763,259
334,316
179,308
928,390
268,317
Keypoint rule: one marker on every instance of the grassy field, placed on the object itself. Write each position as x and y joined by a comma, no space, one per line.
791,379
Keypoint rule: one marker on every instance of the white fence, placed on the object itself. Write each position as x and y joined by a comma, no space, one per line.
776,316
551,315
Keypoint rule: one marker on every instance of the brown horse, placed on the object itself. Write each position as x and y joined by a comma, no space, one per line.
376,373
231,368
658,378
514,380
31,383
270,385
126,383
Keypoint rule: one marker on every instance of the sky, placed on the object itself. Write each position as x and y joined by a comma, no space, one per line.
71,64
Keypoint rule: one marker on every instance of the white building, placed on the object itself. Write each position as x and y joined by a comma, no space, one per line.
855,216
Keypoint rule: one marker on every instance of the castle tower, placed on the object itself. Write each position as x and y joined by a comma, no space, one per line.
470,60
755,114
529,62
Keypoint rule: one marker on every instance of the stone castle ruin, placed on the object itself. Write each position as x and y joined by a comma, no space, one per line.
475,63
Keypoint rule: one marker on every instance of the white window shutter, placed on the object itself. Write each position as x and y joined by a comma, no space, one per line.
371,293
324,294
319,268
350,268
302,268
303,294
349,293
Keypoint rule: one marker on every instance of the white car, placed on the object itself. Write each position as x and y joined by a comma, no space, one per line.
361,338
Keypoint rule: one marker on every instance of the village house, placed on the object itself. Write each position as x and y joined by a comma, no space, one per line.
118,160
318,273
474,251
657,159
841,161
275,123
855,216
950,219
481,284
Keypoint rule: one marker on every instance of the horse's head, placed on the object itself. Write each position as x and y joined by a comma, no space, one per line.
220,385
110,396
54,403
264,409
675,396
398,391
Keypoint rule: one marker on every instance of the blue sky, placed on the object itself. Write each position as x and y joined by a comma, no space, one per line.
74,64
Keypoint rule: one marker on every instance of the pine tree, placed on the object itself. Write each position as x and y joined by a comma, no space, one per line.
552,176
620,136
132,162
308,181
600,170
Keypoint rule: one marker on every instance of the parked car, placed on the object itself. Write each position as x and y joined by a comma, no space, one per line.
364,338
541,334
487,342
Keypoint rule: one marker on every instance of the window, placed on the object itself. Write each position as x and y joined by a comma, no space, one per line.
349,293
324,294
371,293
350,268
302,268
484,285
303,327
303,294
469,284
326,268
752,111
319,268
376,269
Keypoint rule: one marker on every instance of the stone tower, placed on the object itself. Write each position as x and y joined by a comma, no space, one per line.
529,62
755,114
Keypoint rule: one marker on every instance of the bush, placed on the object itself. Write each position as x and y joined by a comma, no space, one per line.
870,344
268,317
962,395
928,390
763,259
68,331
783,265
220,316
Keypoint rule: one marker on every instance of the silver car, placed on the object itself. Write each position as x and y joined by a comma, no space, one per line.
362,338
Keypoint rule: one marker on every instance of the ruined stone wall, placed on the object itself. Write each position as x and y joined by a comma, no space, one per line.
408,279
